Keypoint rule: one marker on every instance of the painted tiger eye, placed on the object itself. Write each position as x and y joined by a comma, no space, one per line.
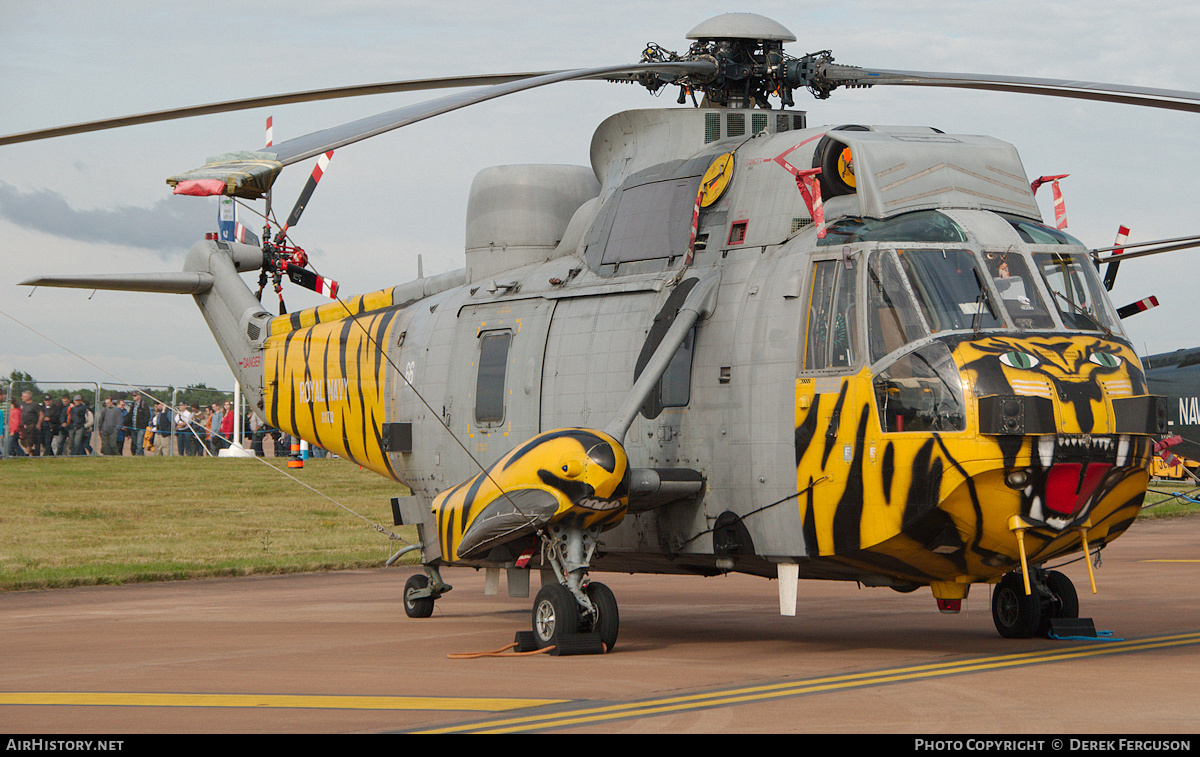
1019,359
1105,359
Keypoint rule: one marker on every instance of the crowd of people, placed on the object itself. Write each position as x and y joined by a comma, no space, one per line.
131,425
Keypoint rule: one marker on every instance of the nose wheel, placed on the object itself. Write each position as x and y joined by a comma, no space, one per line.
1021,616
574,615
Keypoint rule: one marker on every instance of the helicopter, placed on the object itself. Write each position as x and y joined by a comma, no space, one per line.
734,343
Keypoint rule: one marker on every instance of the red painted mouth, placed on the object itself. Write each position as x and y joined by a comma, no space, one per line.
1069,486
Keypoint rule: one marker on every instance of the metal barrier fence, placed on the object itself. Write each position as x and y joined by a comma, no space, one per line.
184,438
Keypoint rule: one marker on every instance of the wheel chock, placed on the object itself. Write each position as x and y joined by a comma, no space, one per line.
525,641
1072,628
578,643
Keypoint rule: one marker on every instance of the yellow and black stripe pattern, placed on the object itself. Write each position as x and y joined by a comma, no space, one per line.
572,476
324,371
936,506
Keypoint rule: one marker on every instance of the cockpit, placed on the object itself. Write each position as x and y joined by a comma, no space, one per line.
896,294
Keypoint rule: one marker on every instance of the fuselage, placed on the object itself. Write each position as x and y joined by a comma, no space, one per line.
886,402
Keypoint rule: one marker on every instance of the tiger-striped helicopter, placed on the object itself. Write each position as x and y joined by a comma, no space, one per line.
734,343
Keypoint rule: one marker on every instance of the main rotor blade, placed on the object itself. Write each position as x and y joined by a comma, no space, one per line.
297,149
1131,245
1143,253
410,85
1171,99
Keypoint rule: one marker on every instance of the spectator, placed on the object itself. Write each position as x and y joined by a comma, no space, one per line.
139,420
76,425
31,423
227,420
14,429
162,429
109,425
183,429
62,437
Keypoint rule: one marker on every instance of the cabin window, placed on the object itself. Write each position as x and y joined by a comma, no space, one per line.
925,226
921,391
1011,276
892,317
1076,291
493,367
950,289
831,336
675,386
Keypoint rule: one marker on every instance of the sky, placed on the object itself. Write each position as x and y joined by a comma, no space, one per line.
98,202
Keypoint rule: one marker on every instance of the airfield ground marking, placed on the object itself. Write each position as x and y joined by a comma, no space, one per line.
744,695
586,714
270,701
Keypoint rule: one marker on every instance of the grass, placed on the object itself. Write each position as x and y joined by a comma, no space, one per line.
78,521
1162,500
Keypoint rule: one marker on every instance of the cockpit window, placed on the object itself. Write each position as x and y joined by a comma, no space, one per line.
892,317
1032,232
926,226
921,391
831,335
1010,273
1076,291
950,289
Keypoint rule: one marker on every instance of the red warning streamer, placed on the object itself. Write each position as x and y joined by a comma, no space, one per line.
691,250
810,190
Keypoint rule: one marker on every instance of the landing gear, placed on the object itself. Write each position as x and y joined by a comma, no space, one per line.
421,591
607,621
582,614
1061,601
1020,616
415,605
555,615
1016,614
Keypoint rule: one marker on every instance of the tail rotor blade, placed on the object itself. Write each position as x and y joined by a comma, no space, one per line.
302,201
1137,307
310,280
1110,273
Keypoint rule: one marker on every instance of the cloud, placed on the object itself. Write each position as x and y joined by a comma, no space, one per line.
169,227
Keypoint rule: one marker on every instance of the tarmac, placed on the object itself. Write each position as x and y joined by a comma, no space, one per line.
335,653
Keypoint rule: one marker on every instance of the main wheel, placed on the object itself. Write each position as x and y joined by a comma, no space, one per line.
1063,601
608,620
1016,615
555,615
421,607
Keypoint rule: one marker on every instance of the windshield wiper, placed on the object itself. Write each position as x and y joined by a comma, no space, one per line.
1076,307
984,296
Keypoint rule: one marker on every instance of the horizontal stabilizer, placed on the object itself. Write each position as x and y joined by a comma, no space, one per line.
183,282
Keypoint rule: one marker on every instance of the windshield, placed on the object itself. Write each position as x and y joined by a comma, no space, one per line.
950,289
1077,293
922,226
892,317
1032,232
1013,280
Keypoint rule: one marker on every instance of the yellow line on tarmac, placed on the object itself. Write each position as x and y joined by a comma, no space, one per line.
737,696
268,701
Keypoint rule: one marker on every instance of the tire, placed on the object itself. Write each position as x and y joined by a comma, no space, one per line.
1016,615
608,620
555,615
421,607
1063,601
